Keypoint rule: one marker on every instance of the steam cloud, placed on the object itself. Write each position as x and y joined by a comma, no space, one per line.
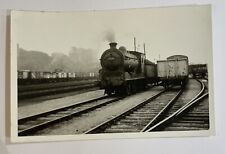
78,60
33,60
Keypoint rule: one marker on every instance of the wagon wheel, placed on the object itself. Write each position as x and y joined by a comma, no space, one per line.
165,85
128,89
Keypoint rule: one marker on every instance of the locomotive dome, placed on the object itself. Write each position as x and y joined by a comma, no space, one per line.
112,58
123,49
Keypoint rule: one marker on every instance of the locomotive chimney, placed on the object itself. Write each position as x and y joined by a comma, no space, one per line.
112,45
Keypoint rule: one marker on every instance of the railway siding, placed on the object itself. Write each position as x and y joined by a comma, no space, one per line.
135,121
89,120
195,118
185,118
31,107
192,88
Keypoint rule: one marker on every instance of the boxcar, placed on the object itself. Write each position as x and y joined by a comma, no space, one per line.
174,70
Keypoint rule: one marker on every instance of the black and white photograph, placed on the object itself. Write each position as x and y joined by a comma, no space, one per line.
111,74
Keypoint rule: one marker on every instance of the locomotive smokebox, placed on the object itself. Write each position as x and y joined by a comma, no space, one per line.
112,58
112,45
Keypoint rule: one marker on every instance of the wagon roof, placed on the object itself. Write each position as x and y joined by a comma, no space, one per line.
23,70
177,57
148,62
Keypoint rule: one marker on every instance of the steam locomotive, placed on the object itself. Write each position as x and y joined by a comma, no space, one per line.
125,72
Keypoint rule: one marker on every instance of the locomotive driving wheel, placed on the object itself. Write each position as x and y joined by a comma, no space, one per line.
133,88
109,92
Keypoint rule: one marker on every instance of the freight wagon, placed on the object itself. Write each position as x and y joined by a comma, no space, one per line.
174,70
198,70
35,77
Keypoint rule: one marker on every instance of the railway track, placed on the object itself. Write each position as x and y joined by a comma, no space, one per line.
197,118
43,86
194,115
151,117
29,125
53,90
144,117
141,116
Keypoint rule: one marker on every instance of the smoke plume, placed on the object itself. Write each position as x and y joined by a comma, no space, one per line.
109,36
84,59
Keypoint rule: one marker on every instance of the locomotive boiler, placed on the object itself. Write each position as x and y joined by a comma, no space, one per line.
124,71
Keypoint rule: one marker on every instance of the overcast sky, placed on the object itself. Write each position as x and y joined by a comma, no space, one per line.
165,31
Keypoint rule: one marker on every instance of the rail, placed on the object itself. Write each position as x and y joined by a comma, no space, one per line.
197,98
